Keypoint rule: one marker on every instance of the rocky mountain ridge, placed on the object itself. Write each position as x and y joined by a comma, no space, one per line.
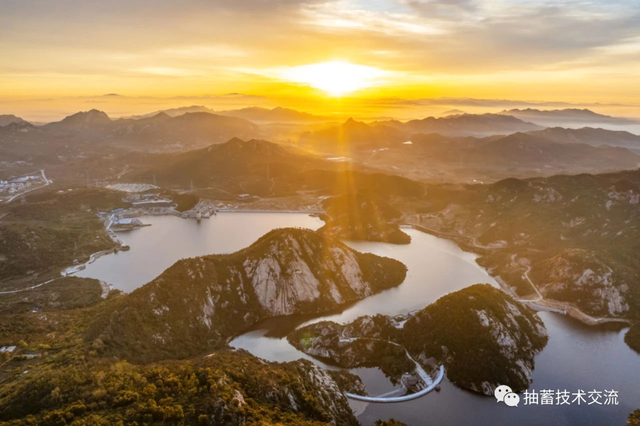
198,303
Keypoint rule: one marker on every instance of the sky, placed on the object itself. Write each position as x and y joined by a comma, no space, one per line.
62,56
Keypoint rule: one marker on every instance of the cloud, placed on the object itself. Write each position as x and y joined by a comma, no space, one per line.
199,51
572,28
448,9
50,48
167,72
345,16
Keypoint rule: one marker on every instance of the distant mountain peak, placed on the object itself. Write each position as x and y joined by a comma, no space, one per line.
6,119
18,126
453,112
91,119
161,115
93,115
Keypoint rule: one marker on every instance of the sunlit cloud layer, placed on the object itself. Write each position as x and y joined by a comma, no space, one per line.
571,50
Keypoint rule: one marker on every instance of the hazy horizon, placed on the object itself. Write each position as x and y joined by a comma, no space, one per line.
117,106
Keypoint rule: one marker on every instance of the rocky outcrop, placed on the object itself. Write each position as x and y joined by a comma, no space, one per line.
197,303
580,277
299,268
483,337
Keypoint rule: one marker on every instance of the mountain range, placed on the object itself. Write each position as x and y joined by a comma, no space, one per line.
465,125
591,136
439,157
452,148
568,116
159,132
352,134
254,114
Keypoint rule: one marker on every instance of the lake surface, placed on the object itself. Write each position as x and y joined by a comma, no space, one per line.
170,238
577,357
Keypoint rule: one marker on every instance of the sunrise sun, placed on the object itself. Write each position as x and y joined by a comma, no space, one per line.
335,78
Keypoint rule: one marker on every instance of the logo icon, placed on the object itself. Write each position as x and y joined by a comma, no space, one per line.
505,394
512,399
501,391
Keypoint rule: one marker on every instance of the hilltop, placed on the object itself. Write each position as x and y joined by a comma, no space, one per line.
483,336
193,129
93,120
274,115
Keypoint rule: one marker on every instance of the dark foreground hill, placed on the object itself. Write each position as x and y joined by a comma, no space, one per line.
226,388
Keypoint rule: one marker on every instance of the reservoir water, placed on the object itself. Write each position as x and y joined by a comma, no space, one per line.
170,238
577,357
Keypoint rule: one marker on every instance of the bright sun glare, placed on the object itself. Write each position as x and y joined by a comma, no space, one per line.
336,78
